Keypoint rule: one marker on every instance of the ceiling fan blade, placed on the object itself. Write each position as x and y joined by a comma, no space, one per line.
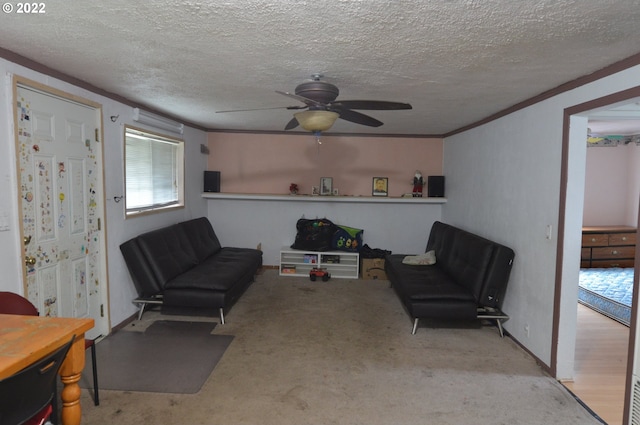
292,124
371,105
358,118
309,102
263,109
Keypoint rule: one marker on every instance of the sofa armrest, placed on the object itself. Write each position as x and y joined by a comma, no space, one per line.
143,278
497,276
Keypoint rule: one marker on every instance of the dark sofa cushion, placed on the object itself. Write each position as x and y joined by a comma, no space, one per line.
171,253
436,287
219,272
462,255
444,309
422,283
201,236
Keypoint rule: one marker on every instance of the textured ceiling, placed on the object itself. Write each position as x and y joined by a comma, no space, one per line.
455,61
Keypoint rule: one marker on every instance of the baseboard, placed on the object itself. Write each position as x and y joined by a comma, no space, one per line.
540,363
263,268
124,323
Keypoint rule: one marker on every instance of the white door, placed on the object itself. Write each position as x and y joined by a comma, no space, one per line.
62,206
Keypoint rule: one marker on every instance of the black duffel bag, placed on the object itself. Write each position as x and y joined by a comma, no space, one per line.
314,235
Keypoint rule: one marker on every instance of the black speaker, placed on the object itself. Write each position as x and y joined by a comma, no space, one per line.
212,181
435,186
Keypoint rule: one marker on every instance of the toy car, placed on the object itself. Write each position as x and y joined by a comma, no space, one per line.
316,272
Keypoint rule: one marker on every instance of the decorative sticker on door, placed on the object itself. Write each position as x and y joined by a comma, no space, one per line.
77,194
46,210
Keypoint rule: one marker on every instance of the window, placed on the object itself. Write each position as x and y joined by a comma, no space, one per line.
154,172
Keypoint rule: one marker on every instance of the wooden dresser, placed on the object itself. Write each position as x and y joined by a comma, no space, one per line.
608,246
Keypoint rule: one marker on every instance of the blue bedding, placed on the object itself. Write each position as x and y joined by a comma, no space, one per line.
608,291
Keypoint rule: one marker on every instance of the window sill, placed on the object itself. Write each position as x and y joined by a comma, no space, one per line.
134,214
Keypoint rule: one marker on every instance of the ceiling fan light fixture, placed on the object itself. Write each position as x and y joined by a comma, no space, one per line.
316,120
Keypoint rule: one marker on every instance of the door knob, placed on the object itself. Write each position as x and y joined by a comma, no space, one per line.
29,261
27,240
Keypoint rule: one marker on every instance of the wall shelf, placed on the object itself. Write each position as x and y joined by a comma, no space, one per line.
336,199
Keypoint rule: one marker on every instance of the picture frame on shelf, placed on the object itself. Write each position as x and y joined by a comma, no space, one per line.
315,190
380,186
326,185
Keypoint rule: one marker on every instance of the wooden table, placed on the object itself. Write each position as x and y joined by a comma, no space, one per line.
26,339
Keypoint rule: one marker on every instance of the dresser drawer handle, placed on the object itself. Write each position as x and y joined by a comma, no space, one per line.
593,239
624,238
614,252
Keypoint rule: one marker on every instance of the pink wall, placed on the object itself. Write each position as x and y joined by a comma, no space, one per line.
269,163
611,186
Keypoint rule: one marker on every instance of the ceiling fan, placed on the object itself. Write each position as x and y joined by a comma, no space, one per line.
322,108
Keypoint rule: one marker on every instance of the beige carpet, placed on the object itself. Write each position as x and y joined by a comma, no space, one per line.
342,352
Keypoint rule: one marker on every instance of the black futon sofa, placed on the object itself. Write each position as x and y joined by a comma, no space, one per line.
184,265
467,281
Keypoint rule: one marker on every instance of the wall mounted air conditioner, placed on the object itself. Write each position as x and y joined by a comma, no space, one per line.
157,121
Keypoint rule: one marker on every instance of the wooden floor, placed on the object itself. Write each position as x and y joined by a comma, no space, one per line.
600,364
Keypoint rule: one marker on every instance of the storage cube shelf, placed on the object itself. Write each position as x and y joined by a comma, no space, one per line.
340,264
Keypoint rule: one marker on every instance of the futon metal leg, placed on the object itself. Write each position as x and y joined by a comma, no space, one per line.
489,313
96,397
221,316
415,326
144,301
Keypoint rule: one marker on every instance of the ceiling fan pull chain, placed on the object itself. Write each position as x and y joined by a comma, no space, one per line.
317,135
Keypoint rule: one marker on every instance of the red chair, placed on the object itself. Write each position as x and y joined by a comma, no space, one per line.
11,303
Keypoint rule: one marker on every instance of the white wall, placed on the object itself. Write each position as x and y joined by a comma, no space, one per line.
503,182
121,289
633,188
400,228
612,186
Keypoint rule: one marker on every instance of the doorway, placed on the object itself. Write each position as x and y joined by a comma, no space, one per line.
61,202
571,214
